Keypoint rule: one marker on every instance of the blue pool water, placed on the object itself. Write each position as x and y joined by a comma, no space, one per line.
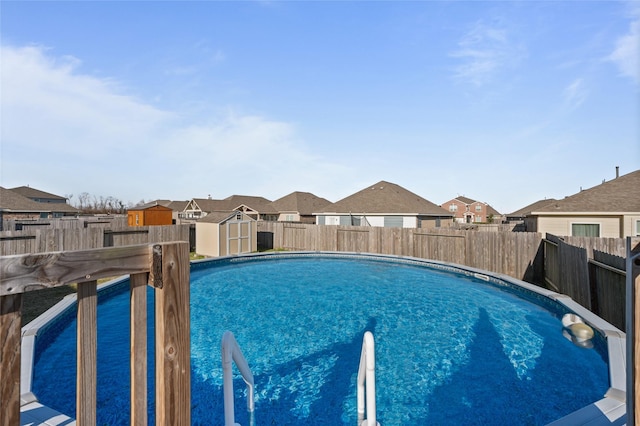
450,348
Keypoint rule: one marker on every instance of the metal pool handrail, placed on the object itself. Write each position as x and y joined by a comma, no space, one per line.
231,352
367,374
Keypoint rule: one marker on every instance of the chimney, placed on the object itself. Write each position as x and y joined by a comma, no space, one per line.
617,172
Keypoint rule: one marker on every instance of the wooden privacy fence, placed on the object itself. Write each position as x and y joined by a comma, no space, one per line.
43,240
105,221
512,253
592,271
165,267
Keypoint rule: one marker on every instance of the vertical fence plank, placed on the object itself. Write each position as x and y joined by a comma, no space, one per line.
138,339
173,375
633,325
87,353
10,318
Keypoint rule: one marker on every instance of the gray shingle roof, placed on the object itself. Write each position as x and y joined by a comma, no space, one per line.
217,217
305,203
12,201
618,195
209,205
178,206
465,200
259,204
29,192
385,197
524,211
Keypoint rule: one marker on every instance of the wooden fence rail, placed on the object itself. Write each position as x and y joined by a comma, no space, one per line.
163,266
105,221
42,240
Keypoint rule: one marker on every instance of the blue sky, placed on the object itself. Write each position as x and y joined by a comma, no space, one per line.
503,102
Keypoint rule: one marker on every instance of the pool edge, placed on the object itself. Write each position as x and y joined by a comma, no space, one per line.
610,410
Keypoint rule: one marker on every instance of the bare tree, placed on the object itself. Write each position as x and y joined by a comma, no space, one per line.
83,201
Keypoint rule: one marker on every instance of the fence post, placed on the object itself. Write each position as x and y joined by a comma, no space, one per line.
138,341
10,319
633,325
87,348
173,352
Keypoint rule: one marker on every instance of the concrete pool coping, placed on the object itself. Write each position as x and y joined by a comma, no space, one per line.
610,410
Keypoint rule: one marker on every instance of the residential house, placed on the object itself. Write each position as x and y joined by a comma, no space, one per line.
467,210
226,233
258,208
38,195
14,205
177,209
299,207
611,209
384,204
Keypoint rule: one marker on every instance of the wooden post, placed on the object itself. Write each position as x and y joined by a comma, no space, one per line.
173,352
138,339
10,319
633,326
87,344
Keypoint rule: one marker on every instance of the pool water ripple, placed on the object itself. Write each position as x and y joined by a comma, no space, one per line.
450,349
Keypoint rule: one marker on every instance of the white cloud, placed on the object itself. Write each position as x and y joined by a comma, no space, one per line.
86,134
575,94
484,51
48,105
626,54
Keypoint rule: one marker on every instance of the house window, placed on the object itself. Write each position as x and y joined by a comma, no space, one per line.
453,208
637,228
585,229
478,208
393,221
137,219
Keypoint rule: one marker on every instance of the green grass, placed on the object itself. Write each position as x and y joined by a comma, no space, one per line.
35,303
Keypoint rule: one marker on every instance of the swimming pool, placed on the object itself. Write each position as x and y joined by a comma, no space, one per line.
451,347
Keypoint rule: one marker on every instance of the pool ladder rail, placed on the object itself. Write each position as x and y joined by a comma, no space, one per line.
231,353
367,377
366,381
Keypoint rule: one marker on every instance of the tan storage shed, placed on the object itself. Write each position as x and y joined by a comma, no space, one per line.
226,234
